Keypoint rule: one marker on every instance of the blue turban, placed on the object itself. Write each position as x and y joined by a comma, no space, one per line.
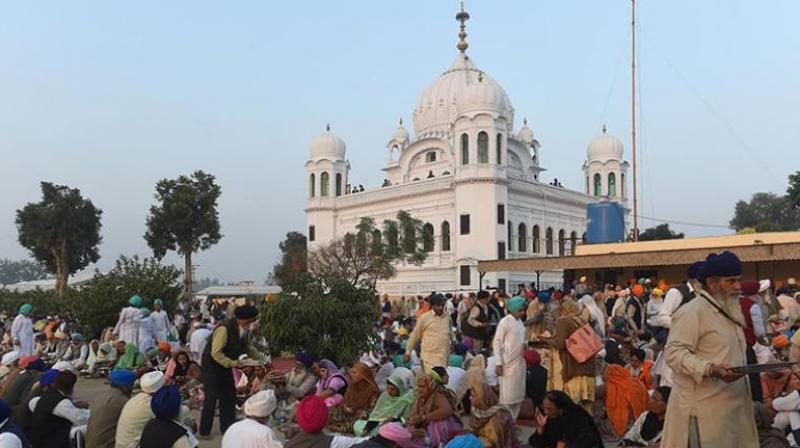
25,309
465,441
166,403
158,302
145,311
135,301
49,377
122,378
460,349
544,297
726,264
515,304
304,359
455,361
5,411
694,269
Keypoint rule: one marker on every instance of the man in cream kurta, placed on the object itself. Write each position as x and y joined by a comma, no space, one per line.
435,332
508,345
710,406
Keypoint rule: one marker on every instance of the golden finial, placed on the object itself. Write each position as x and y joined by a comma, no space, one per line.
604,129
462,17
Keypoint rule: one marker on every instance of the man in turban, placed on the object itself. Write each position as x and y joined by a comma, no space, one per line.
164,431
301,379
55,414
509,345
635,313
102,427
477,322
22,331
253,430
312,417
137,412
710,404
434,331
127,328
160,321
229,341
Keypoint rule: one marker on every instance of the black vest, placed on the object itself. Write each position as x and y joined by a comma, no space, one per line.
478,333
306,440
687,294
48,430
234,347
160,433
638,315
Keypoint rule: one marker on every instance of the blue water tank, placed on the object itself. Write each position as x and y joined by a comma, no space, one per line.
606,223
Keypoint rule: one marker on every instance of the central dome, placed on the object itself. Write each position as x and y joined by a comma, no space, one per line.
461,89
604,147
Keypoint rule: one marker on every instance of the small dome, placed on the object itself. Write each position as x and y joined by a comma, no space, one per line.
525,134
328,145
605,147
400,134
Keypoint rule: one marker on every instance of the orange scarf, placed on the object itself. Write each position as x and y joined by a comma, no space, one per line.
626,398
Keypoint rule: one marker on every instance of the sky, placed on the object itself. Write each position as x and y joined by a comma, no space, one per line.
110,97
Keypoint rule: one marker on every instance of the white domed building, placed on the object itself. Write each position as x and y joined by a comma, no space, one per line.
471,178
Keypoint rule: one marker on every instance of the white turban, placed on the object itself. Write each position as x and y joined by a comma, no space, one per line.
65,366
764,285
151,382
10,358
261,404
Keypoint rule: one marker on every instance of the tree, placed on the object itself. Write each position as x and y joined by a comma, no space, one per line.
62,231
20,271
766,212
659,232
185,220
97,304
204,283
294,259
364,257
793,191
330,318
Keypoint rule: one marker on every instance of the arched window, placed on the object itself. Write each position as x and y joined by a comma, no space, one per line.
338,184
445,236
464,149
548,236
499,149
427,237
612,185
430,156
395,153
522,237
597,182
573,242
537,245
483,147
622,184
561,243
510,236
312,185
324,182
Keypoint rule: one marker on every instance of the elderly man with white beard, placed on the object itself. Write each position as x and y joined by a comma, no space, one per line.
710,405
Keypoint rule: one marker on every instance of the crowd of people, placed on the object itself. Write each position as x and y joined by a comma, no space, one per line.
706,362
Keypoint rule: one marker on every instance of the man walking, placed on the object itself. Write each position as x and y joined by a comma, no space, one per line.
509,346
434,332
160,321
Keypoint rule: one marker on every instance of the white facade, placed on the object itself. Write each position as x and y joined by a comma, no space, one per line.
464,166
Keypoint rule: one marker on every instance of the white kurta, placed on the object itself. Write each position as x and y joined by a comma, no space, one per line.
249,433
700,336
147,334
509,343
22,331
161,325
128,325
197,344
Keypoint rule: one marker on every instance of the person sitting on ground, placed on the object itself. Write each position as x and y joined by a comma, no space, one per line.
562,422
331,383
55,414
465,441
639,367
21,415
76,352
312,417
625,398
131,360
491,422
164,431
390,435
253,430
137,412
300,381
10,360
646,430
163,356
768,435
535,377
101,429
393,405
432,414
455,371
11,436
182,371
777,384
17,392
361,394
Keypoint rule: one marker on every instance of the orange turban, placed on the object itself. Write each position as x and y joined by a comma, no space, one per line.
164,346
637,290
780,341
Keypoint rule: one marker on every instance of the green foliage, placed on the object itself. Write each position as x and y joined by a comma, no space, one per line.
12,271
766,212
329,318
44,302
793,190
62,231
294,260
659,232
186,219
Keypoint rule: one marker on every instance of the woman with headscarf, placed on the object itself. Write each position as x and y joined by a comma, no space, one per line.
357,401
567,374
331,383
432,415
393,405
127,328
131,360
625,400
164,431
596,316
489,420
646,430
561,422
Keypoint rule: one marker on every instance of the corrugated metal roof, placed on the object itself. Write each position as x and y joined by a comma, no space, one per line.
242,290
47,284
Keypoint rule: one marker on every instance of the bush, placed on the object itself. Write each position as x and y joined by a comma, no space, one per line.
329,318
